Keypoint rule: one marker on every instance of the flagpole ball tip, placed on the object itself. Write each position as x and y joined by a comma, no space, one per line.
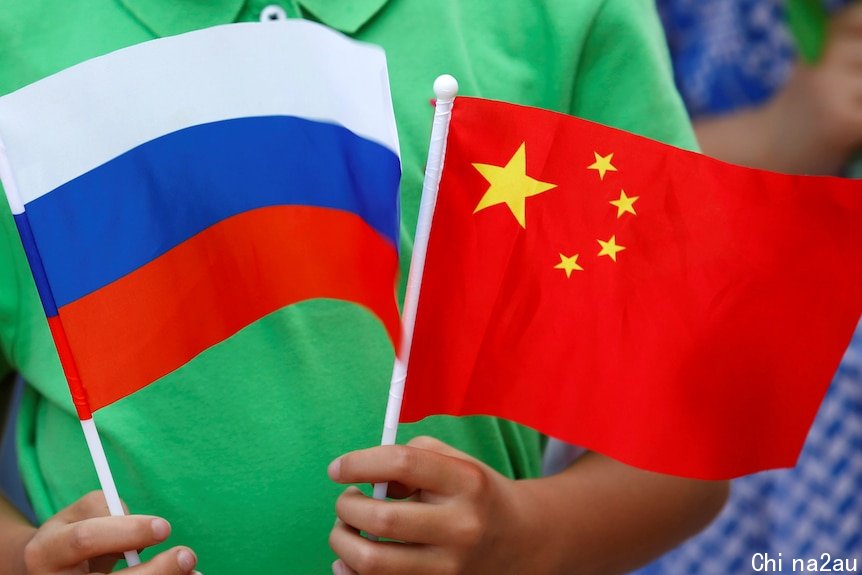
445,87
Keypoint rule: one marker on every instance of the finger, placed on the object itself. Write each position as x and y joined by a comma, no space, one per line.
106,563
381,557
433,444
339,567
408,521
175,561
99,536
90,505
410,466
397,490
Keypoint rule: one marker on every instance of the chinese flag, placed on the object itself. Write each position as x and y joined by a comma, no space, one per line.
671,311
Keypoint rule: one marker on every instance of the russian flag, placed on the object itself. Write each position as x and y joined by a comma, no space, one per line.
169,194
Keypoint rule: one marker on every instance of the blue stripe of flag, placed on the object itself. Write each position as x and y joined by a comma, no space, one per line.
36,267
134,208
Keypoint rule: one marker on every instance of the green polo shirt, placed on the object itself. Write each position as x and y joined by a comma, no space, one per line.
232,448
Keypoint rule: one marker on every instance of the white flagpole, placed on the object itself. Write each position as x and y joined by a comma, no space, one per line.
445,89
106,479
94,443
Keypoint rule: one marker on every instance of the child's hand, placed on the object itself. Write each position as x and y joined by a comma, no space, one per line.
818,114
460,515
813,125
82,538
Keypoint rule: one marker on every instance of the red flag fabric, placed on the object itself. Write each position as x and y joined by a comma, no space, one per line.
671,311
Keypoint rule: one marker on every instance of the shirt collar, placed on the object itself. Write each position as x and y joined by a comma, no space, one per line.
347,17
169,17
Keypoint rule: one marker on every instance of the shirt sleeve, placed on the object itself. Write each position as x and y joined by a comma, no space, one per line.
624,77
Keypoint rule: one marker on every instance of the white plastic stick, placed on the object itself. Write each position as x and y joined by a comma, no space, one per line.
445,89
106,479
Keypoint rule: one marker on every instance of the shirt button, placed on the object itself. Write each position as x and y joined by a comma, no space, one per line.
273,13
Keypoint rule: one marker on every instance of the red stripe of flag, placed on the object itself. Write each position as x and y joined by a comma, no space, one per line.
150,322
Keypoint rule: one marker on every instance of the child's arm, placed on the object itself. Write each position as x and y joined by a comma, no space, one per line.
596,517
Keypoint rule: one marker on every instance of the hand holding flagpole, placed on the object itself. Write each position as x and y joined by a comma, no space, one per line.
445,89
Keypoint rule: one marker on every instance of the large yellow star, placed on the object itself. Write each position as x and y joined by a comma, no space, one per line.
610,248
624,204
569,264
511,185
602,164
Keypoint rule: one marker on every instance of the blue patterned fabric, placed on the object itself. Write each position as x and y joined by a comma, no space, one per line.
729,54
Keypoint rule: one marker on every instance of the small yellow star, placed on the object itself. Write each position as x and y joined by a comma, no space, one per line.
602,164
511,185
610,248
625,204
569,264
